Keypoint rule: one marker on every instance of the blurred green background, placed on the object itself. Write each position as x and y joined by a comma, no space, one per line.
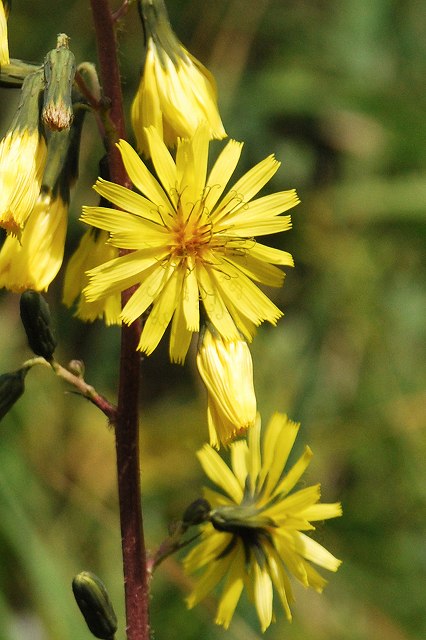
336,89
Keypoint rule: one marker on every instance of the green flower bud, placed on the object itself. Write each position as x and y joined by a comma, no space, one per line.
35,316
11,389
197,512
94,603
59,72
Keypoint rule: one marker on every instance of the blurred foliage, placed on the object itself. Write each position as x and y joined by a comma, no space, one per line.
336,90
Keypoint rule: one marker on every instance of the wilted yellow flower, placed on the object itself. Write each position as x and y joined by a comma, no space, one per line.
4,45
254,537
226,368
34,260
176,92
92,251
22,159
191,244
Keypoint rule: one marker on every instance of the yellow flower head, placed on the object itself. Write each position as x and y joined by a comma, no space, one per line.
91,252
34,260
255,535
22,159
176,92
227,371
4,45
191,244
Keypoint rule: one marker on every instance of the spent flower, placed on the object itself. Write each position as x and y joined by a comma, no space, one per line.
22,158
254,537
226,369
34,260
189,244
176,92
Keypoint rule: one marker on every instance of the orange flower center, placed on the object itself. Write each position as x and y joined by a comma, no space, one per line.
190,238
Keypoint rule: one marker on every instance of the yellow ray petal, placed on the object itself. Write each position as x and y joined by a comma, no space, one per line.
127,200
180,336
153,281
263,596
313,551
143,179
297,470
164,164
161,314
247,186
232,590
219,473
221,173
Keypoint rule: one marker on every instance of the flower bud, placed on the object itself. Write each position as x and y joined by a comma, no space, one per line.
176,92
196,513
93,601
35,316
227,371
59,72
11,389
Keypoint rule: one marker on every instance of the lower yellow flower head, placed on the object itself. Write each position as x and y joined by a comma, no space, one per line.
226,368
91,252
255,535
190,242
34,260
4,46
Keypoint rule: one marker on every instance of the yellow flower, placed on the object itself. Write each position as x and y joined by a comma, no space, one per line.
227,371
22,159
191,244
91,252
23,155
4,46
34,260
176,92
254,537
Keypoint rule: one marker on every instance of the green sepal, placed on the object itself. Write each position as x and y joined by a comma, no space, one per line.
27,116
237,519
94,603
35,316
14,73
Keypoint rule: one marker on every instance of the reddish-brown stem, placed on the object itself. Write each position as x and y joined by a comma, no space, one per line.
127,433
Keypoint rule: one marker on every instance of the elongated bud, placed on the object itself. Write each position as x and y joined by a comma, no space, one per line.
176,92
61,169
196,513
35,316
93,601
11,389
59,72
226,369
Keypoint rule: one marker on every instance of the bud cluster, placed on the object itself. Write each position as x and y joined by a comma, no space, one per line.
38,165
